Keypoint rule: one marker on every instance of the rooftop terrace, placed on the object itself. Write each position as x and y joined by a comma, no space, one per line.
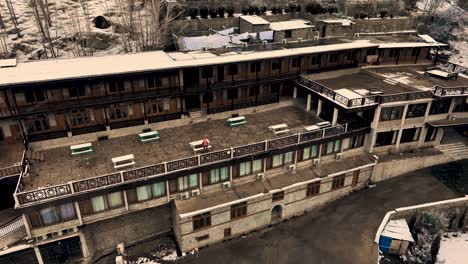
58,167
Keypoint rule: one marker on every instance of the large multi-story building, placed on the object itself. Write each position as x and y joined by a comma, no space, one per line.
108,149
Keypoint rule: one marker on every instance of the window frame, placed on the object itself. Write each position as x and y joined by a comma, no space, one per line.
277,196
239,210
201,221
338,182
313,189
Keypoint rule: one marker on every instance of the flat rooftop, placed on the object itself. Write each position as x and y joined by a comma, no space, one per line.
210,199
290,25
255,20
356,85
59,167
10,154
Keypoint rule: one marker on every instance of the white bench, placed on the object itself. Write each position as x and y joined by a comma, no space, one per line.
236,121
311,128
123,161
198,145
81,149
149,136
323,124
279,129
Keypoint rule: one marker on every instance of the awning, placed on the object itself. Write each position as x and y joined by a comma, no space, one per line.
447,122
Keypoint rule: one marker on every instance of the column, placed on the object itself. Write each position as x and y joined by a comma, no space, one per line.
125,199
78,212
84,246
295,93
319,107
439,136
335,116
181,78
26,226
400,132
309,102
452,105
38,255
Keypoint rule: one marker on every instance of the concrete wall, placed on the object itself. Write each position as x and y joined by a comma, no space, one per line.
392,168
103,237
385,25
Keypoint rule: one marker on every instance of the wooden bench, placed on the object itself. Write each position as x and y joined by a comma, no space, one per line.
237,121
279,129
80,149
311,128
149,137
324,124
198,145
123,161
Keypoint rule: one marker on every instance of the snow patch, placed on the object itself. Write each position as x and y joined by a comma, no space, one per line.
453,248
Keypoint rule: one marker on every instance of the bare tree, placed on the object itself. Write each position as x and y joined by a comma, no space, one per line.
430,6
42,20
14,19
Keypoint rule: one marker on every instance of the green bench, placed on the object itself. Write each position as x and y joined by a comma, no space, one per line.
149,137
81,149
237,121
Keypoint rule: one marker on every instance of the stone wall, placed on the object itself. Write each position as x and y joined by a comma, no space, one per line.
102,237
385,25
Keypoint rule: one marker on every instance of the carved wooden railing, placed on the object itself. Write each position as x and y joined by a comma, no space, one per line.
104,181
451,91
405,96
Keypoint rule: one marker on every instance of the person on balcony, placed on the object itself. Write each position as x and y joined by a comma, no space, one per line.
205,144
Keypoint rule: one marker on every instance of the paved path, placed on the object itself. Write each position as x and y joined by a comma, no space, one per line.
341,232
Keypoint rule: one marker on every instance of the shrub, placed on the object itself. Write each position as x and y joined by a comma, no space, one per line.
251,10
263,9
280,10
292,8
363,15
221,11
244,11
257,11
230,11
383,13
314,8
298,8
435,246
461,221
274,10
193,13
204,12
213,13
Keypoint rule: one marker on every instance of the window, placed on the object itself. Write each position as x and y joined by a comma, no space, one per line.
416,110
277,196
386,138
76,91
338,182
393,53
37,124
333,58
154,82
257,166
215,176
34,95
391,113
183,183
276,65
245,168
233,69
461,105
202,220
146,192
309,153
331,147
52,215
79,118
410,135
201,238
117,86
356,142
118,112
255,67
313,189
440,106
371,52
314,60
296,62
288,34
207,72
415,52
238,210
431,134
281,159
98,203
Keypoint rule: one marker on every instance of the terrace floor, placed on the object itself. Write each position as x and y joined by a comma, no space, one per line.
209,199
58,167
10,154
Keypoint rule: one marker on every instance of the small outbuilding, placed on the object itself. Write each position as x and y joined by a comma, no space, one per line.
395,238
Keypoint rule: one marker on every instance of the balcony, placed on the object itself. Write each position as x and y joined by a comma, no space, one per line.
451,91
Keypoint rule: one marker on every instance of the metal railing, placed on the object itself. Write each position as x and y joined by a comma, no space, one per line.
11,226
451,91
158,170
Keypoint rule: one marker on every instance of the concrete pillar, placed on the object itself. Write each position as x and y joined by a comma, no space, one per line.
181,78
439,136
335,116
230,173
78,212
26,226
422,136
400,131
428,109
125,200
295,93
319,107
309,102
452,105
84,246
167,191
38,255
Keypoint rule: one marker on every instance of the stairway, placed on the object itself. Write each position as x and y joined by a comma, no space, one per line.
33,155
196,115
457,150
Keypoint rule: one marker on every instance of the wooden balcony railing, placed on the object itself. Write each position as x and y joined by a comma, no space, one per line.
158,170
11,227
451,91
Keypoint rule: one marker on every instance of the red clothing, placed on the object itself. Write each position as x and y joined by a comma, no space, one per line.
205,142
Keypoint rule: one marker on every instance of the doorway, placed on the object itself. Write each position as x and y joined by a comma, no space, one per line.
191,78
192,102
63,251
220,73
276,214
